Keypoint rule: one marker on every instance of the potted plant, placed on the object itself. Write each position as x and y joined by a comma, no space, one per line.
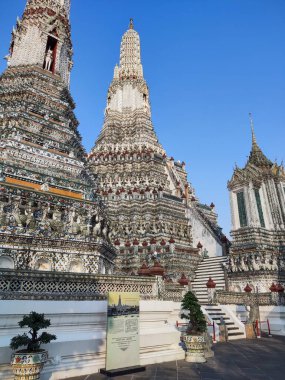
28,363
195,337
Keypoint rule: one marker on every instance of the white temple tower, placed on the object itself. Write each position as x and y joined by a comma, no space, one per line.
151,204
47,197
257,195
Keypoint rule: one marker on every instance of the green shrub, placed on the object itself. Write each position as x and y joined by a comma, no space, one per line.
32,340
197,322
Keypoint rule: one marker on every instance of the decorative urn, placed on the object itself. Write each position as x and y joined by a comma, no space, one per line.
28,365
196,346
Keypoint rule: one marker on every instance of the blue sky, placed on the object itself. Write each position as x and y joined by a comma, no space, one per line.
207,63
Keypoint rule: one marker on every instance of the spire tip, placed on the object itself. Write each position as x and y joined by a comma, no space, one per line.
252,128
131,26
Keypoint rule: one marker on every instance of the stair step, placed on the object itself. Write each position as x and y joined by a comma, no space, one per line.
203,283
235,333
205,261
206,266
214,259
205,278
218,318
209,272
232,328
206,274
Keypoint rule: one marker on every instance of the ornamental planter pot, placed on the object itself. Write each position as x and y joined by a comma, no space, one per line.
196,346
28,365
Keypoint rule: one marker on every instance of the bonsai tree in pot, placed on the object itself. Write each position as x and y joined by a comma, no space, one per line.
28,362
195,337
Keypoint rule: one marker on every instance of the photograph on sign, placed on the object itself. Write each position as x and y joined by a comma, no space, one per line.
122,330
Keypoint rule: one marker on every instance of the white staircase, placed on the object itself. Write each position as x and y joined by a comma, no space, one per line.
213,267
209,267
235,327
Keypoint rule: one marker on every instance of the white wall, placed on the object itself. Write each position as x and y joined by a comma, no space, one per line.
80,327
202,234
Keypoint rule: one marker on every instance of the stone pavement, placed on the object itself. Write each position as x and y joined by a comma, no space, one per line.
262,359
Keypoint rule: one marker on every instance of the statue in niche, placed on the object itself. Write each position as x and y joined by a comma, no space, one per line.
30,222
17,214
76,225
43,264
48,59
106,230
76,266
56,223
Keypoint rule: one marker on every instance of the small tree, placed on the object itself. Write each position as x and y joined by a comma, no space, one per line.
197,322
35,322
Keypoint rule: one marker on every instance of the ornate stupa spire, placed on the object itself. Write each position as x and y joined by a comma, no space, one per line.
130,54
256,156
128,93
128,90
42,38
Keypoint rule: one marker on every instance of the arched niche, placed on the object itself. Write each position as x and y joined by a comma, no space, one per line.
76,266
237,289
43,264
7,262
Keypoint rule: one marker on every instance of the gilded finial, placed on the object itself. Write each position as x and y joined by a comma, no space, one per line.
131,26
252,128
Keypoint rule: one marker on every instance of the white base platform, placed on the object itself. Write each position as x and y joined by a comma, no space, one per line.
80,327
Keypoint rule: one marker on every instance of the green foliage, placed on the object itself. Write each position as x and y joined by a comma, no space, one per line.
35,322
195,316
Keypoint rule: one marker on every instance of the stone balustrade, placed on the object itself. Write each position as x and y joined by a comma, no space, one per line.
40,285
257,299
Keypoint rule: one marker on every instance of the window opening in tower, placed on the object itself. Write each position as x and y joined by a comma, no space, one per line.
50,54
242,209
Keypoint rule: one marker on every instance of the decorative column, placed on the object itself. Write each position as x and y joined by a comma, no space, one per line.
158,271
274,293
248,207
281,197
234,211
280,290
267,211
253,206
211,286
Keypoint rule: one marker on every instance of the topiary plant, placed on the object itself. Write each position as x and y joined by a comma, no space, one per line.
197,322
35,322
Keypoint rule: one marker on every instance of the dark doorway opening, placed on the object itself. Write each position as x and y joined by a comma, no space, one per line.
50,54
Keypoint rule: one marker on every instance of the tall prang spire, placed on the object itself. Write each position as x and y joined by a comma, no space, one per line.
147,193
128,90
42,38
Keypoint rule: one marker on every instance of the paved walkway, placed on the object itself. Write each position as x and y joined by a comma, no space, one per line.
262,359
